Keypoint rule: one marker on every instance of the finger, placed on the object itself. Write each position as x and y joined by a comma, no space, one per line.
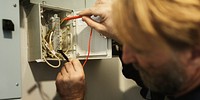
77,65
89,12
59,78
69,67
64,71
97,26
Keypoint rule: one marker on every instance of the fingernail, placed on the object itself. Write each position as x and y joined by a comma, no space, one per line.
83,18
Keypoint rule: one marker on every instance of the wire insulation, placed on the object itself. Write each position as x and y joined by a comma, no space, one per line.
89,43
70,18
45,44
51,65
48,45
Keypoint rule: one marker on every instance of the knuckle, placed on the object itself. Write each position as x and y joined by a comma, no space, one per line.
65,80
63,68
76,60
73,60
100,29
78,77
66,64
90,9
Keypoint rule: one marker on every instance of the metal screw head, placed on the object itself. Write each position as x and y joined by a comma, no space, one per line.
44,2
15,5
17,84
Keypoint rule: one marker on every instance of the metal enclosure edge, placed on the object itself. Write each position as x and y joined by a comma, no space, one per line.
34,47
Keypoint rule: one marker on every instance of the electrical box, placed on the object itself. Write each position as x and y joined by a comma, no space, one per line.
48,34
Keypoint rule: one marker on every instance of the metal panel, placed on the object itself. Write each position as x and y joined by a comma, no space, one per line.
68,4
100,46
34,34
10,69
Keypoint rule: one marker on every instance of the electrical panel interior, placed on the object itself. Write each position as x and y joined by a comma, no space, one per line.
49,35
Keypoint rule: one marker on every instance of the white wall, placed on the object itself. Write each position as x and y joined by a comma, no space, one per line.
103,77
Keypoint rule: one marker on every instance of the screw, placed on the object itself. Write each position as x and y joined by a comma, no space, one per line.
44,2
17,84
15,5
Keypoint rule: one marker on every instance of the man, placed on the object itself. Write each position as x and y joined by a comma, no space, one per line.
160,38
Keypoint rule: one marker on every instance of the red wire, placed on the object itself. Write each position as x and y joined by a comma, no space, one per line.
70,18
89,43
90,38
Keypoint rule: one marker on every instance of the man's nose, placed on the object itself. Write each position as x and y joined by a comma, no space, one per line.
128,55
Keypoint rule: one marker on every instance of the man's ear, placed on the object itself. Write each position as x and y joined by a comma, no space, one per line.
190,60
196,52
195,59
190,57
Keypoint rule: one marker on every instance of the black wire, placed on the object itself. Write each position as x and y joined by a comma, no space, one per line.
66,58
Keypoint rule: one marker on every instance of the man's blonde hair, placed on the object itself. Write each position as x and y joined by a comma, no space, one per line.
144,24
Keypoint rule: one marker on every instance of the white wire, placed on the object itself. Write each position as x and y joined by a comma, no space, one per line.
53,52
50,47
50,42
53,66
50,37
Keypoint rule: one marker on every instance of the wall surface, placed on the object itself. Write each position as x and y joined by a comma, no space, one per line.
103,77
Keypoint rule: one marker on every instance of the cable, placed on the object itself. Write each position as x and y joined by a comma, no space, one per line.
89,43
53,66
45,44
62,53
59,62
70,18
49,46
50,42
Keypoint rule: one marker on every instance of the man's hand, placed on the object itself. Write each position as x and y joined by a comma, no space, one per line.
70,81
103,9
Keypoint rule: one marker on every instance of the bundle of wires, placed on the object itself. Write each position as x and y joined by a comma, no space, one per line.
48,45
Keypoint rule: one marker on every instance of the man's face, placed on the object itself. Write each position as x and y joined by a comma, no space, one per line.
160,72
